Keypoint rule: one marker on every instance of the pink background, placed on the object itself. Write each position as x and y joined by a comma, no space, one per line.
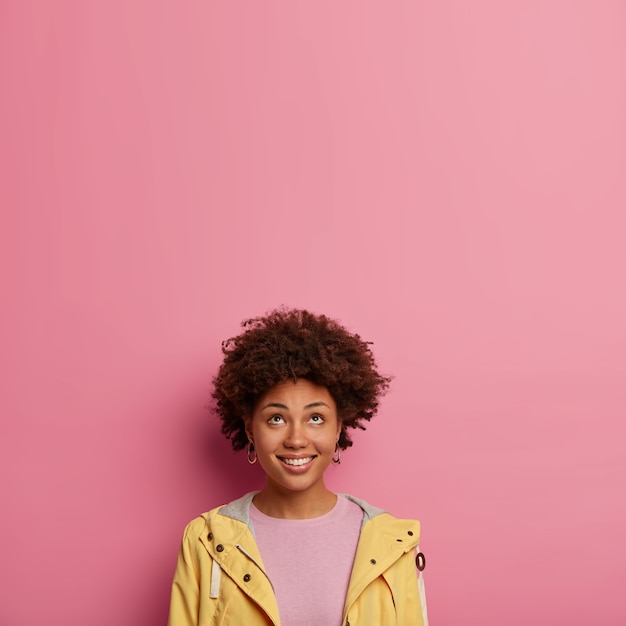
446,178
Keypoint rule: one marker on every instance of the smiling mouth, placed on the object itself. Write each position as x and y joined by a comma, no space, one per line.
297,462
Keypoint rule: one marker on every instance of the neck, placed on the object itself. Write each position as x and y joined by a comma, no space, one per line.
286,504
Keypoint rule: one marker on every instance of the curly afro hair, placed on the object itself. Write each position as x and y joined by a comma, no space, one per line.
290,344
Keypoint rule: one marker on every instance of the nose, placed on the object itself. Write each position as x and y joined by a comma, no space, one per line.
296,437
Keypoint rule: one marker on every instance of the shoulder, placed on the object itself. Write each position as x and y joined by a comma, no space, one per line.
385,524
369,511
378,521
232,516
197,527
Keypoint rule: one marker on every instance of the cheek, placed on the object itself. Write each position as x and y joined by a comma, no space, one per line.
328,442
264,440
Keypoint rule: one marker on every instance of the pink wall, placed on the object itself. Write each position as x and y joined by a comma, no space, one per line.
447,178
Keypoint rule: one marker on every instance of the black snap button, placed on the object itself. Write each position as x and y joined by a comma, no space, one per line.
209,536
420,561
219,547
373,561
246,578
410,533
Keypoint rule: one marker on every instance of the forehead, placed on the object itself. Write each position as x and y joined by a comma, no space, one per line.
296,395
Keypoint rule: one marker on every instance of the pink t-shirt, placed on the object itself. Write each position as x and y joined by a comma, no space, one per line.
309,562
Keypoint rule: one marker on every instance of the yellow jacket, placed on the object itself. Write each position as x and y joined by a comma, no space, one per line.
220,579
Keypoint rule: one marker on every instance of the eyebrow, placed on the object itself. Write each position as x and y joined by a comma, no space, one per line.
278,405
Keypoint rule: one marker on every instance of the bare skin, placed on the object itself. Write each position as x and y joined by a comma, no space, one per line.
294,427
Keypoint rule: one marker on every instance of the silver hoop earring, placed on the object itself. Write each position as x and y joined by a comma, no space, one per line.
337,458
251,451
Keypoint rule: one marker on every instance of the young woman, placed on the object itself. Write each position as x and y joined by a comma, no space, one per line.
291,387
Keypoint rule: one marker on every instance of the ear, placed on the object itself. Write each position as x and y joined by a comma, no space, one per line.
247,421
339,428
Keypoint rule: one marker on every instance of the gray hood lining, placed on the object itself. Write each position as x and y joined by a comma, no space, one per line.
240,509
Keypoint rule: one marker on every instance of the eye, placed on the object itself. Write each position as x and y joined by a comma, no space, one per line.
316,419
275,419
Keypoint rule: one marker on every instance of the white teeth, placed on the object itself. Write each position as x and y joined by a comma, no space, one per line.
304,461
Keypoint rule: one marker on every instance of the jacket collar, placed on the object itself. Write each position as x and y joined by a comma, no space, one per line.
239,509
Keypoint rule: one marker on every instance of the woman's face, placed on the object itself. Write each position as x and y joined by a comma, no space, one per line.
294,428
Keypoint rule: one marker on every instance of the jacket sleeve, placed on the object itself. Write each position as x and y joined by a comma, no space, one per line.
185,599
407,590
417,605
421,587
